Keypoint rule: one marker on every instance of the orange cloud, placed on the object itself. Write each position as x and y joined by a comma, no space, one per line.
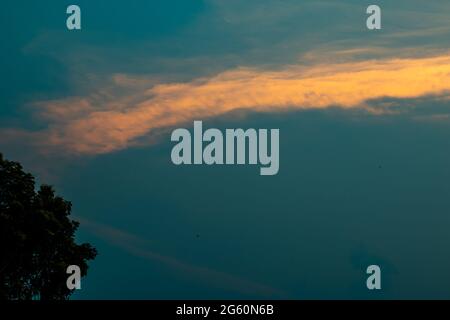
114,117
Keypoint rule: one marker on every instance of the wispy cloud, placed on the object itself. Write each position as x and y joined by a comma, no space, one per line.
115,116
139,247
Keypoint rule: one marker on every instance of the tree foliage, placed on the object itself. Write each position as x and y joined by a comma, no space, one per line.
37,238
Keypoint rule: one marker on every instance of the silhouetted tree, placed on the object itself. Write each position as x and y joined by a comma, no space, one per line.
37,239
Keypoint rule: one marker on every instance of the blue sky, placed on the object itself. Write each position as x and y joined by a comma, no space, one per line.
364,174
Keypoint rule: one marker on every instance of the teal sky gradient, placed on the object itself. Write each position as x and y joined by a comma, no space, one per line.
354,188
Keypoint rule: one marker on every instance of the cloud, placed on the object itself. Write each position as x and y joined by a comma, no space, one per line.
116,115
138,247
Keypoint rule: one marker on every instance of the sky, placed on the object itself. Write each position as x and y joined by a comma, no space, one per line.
364,120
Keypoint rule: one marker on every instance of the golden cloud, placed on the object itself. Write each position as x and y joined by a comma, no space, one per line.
112,118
